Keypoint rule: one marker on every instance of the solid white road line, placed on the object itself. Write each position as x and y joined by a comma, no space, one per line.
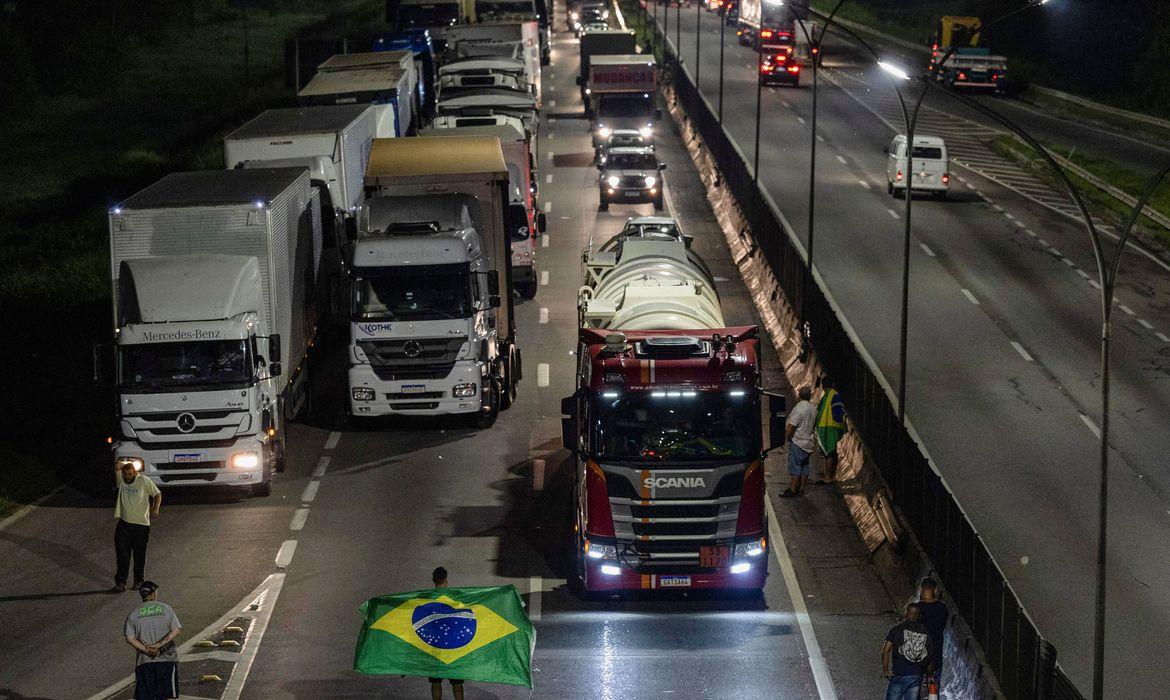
1162,337
332,441
262,606
310,492
1092,426
1023,353
863,183
1145,324
893,213
322,465
298,520
544,278
548,178
284,557
544,314
816,660
537,474
926,249
843,161
970,297
535,591
542,374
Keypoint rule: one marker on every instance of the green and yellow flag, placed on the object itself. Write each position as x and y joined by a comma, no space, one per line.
830,421
473,634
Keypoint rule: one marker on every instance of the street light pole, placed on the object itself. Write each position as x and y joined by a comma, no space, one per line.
678,33
698,40
722,27
759,95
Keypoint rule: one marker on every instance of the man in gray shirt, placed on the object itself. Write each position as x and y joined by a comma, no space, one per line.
799,431
151,629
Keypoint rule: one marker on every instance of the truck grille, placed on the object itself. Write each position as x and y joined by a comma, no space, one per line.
417,395
429,358
415,406
167,466
675,529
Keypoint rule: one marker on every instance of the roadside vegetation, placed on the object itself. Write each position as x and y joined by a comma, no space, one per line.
99,100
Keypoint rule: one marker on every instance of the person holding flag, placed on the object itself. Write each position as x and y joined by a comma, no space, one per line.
830,428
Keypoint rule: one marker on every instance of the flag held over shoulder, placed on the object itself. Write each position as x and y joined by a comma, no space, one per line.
475,634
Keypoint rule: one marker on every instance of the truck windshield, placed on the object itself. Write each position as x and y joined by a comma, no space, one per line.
624,106
414,292
487,10
167,366
428,15
675,426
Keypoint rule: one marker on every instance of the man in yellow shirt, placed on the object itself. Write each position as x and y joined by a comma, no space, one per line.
139,500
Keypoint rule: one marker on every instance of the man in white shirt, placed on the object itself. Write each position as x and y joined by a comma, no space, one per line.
800,434
138,501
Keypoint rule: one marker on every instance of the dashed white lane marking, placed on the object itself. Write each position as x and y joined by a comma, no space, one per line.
1055,252
298,519
310,491
552,103
1068,262
332,441
996,207
551,135
969,185
970,297
544,240
1126,309
1030,232
552,88
1084,274
544,278
548,179
800,119
785,103
1020,224
816,660
1023,353
544,314
535,591
548,207
538,475
1145,324
820,138
842,160
322,465
863,183
284,557
1095,284
926,249
550,155
1009,216
1092,426
1162,337
893,213
542,374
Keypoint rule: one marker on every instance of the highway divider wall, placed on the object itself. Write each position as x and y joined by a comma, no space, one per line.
905,491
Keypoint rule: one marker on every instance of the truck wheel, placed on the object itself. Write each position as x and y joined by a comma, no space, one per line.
889,187
262,490
508,396
491,411
279,460
528,290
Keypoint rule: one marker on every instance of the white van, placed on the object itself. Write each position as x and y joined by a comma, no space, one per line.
931,169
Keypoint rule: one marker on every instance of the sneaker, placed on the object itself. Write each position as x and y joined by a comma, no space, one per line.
136,585
118,588
788,493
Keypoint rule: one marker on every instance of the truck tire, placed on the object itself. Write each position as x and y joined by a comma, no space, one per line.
280,459
528,290
508,395
488,415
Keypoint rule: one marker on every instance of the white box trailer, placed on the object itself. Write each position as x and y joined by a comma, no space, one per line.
215,281
375,60
388,89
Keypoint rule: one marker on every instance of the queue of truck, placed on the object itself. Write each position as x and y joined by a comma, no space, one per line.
398,199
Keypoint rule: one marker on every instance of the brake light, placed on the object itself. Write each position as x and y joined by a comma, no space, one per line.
962,76
766,33
946,178
751,519
898,177
793,69
598,517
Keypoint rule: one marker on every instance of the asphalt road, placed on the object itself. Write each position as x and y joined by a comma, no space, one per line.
365,512
1003,376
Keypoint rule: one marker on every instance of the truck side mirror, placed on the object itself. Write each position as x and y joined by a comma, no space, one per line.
662,166
273,352
493,284
494,301
688,240
274,369
541,222
777,415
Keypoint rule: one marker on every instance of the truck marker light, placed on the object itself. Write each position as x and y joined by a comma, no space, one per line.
898,177
610,570
609,395
741,568
645,132
604,132
946,178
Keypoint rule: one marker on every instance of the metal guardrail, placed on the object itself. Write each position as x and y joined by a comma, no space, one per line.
1023,662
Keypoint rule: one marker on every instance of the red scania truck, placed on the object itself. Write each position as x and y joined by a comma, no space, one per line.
665,424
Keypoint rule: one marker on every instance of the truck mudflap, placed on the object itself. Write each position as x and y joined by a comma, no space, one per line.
595,579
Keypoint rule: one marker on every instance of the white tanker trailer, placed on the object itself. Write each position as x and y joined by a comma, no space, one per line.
648,278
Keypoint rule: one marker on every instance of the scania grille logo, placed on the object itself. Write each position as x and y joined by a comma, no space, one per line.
186,422
412,348
675,482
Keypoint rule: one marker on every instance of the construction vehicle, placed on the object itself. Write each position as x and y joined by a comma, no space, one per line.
972,66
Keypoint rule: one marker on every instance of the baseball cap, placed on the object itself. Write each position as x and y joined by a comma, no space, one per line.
147,587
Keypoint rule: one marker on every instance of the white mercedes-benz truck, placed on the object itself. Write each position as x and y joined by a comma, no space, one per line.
215,281
432,324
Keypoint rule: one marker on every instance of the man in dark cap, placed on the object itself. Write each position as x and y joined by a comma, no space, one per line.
151,629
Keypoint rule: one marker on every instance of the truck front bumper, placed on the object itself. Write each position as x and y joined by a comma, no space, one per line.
415,397
610,576
174,465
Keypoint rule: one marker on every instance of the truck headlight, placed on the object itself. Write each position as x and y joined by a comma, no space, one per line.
646,131
244,460
610,570
463,391
613,180
604,132
651,180
363,393
751,549
600,551
741,568
135,462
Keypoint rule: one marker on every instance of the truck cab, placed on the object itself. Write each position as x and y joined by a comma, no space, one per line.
622,93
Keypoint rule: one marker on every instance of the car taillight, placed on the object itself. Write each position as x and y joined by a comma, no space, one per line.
766,34
962,76
793,69
751,506
598,517
898,177
946,178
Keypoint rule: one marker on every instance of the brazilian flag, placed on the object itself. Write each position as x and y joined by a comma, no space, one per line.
473,634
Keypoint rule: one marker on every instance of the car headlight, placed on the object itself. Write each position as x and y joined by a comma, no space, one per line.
651,180
613,180
604,132
244,460
646,131
135,462
363,393
753,548
600,551
463,391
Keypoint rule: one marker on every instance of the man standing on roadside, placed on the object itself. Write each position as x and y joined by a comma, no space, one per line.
799,434
151,629
139,500
906,656
439,578
935,616
830,428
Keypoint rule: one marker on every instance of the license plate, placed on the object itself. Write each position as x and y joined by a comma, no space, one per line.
414,388
633,194
674,581
714,557
187,457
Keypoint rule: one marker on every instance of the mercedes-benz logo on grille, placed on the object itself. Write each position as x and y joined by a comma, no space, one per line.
412,348
186,422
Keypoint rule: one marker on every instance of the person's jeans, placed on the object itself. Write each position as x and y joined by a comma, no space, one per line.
130,539
903,687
